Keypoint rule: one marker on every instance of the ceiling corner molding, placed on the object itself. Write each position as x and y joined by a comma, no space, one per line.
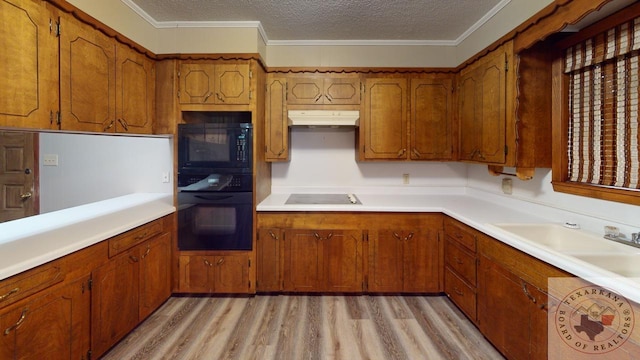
496,9
361,43
143,14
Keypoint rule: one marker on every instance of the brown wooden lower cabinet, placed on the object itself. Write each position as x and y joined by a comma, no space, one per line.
349,252
322,260
126,289
54,321
221,273
404,260
510,314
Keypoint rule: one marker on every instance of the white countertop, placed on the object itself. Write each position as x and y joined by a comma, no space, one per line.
479,213
33,241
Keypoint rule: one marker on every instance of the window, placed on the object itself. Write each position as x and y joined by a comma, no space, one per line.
599,121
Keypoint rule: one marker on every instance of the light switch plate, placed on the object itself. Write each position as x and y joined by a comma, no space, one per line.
507,186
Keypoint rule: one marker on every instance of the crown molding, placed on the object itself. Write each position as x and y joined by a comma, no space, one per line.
258,25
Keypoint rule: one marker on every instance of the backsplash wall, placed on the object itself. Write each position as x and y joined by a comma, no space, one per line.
326,157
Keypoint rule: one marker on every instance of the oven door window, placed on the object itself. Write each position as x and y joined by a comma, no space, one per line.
215,227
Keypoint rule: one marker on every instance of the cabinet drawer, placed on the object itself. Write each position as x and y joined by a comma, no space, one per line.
30,282
460,261
134,237
460,233
460,293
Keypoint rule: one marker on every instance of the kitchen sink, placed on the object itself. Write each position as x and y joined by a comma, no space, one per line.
565,240
624,265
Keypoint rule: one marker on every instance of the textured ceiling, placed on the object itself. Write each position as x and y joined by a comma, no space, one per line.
424,20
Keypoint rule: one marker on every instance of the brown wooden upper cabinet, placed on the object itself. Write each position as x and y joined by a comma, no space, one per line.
323,91
211,83
383,121
29,58
431,117
482,108
492,129
104,86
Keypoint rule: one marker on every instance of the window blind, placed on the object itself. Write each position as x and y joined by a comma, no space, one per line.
603,108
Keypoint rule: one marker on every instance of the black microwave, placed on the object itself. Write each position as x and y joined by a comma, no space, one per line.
215,147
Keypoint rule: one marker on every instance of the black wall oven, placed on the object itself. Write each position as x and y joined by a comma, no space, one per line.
215,198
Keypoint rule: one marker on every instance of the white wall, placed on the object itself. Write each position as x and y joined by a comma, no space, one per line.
327,158
98,167
539,191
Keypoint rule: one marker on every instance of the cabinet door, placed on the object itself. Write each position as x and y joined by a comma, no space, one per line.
482,110
135,84
114,304
342,91
470,121
422,265
268,252
306,91
87,77
155,274
196,83
276,122
196,274
385,261
342,261
431,118
232,84
29,71
50,324
231,274
384,129
504,309
302,266
494,112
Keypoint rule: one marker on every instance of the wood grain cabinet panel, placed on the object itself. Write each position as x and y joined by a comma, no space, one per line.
323,91
135,96
209,274
276,121
482,109
268,262
460,261
431,118
211,83
404,260
322,260
384,125
87,77
129,287
29,58
53,322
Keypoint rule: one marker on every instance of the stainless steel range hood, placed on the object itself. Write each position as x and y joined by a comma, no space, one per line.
323,118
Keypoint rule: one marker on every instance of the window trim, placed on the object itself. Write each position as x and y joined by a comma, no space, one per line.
560,119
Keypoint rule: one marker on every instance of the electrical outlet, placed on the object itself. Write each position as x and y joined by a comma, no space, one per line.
405,179
50,159
507,186
165,177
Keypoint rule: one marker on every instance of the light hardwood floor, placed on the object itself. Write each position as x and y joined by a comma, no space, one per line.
296,327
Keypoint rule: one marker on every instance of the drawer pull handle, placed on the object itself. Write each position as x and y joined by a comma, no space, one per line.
17,324
11,292
146,253
219,97
395,235
133,258
206,97
526,292
273,235
206,262
409,237
458,291
140,237
220,262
